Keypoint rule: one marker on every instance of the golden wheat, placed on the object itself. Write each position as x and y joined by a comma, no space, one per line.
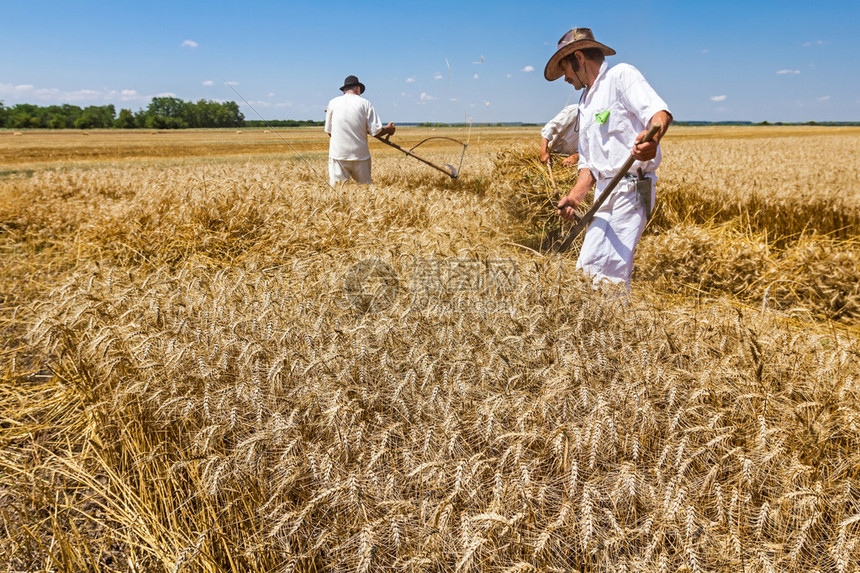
226,365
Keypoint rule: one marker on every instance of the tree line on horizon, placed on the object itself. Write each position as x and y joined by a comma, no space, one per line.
161,113
174,113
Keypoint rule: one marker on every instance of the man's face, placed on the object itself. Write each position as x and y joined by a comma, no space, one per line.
570,76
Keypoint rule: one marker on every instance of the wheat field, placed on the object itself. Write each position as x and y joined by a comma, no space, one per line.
213,361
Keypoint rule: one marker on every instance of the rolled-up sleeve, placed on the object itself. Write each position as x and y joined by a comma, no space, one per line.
641,98
560,122
374,124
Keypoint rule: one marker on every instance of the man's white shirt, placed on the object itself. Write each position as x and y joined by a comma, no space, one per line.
631,102
349,119
561,131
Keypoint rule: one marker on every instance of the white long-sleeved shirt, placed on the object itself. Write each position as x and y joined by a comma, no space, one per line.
631,102
349,119
561,132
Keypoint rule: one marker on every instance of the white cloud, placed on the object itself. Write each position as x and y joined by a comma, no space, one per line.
475,76
72,96
823,98
410,80
55,95
438,76
189,44
815,43
487,104
528,69
718,98
208,83
426,97
782,72
705,51
402,94
232,83
453,99
166,94
509,75
284,104
11,90
271,94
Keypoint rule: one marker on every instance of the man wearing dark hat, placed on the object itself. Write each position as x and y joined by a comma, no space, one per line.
348,120
615,111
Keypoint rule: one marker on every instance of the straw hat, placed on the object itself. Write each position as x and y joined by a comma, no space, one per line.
352,81
575,39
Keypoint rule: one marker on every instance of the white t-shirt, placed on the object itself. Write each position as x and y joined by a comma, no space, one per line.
631,102
348,119
560,131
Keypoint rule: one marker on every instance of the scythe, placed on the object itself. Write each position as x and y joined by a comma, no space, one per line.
447,169
583,220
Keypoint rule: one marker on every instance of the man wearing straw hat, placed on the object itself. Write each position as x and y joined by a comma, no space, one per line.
615,112
349,118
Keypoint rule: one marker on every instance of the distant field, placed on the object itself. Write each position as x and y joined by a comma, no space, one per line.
212,361
117,143
43,147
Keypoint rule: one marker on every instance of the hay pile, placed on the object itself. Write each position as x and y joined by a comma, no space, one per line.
532,190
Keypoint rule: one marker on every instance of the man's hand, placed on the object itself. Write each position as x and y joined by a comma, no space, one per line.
571,160
567,208
386,131
544,150
644,151
647,151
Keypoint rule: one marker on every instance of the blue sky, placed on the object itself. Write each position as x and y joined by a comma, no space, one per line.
432,60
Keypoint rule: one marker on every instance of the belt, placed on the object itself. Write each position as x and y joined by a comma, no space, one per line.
603,181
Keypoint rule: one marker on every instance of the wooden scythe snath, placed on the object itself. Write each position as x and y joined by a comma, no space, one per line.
447,169
585,219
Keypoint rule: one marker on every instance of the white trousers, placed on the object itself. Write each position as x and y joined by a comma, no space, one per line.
342,170
612,236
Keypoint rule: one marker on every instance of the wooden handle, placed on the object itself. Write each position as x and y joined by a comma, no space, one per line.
651,133
598,201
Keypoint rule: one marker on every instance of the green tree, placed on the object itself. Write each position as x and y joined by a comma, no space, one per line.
230,116
24,115
60,116
165,113
161,113
125,120
96,116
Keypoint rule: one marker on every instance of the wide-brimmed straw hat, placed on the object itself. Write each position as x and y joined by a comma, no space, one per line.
575,39
352,81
